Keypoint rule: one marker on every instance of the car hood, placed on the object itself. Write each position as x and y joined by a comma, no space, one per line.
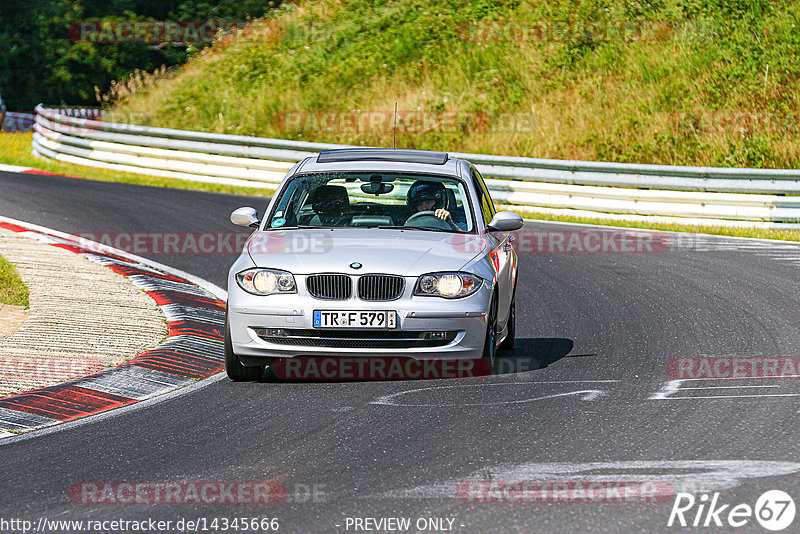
403,252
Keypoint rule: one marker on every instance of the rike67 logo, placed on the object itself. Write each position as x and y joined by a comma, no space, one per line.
774,510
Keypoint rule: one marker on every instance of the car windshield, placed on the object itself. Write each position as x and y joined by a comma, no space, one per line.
375,200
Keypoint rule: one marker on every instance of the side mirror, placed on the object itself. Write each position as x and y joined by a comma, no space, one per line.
245,217
505,221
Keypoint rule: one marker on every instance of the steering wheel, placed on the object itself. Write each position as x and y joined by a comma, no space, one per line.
428,219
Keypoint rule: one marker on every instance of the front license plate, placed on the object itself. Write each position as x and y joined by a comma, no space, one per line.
354,319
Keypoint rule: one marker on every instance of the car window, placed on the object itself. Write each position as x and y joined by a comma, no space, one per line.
485,200
360,199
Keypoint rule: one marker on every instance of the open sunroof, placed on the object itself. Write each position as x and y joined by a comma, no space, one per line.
382,154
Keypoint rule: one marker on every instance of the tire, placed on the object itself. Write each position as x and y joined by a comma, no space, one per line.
490,341
508,342
233,365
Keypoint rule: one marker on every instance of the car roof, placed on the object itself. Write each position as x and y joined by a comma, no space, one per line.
381,160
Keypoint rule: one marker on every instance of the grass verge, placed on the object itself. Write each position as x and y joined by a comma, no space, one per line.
12,290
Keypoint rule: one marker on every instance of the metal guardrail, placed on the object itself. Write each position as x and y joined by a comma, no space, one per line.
706,193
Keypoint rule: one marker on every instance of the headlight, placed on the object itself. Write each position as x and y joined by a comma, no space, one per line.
266,281
447,285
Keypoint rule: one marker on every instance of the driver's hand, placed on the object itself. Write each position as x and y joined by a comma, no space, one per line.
442,213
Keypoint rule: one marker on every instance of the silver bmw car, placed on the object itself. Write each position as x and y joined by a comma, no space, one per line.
373,253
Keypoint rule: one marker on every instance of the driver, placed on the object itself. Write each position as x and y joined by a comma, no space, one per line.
428,196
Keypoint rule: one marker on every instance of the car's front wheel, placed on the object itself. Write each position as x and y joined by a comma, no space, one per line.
233,365
490,342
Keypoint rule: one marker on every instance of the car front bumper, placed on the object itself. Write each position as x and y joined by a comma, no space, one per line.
249,316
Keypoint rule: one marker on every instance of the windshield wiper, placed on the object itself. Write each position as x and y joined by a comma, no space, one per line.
303,227
423,228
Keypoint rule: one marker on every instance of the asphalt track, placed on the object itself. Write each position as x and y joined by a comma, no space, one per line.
601,329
